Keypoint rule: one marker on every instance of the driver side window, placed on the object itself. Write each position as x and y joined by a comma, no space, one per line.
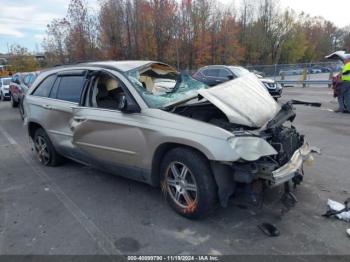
106,92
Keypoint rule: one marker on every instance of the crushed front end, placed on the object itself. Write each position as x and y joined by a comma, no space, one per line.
285,166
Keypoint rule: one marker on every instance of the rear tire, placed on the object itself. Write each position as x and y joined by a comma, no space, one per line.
13,102
44,149
188,183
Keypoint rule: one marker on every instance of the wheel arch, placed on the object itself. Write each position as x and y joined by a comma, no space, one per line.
32,127
159,155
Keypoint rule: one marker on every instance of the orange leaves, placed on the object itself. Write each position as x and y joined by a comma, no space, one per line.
187,33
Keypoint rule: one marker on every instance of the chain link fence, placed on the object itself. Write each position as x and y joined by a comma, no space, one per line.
305,74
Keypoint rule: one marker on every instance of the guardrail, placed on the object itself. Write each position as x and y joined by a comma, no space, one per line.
305,82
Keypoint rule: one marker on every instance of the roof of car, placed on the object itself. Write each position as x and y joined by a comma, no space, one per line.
124,66
226,66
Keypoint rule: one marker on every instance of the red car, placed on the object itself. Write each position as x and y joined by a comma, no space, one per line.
19,86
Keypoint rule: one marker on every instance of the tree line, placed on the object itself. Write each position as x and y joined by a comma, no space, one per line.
191,33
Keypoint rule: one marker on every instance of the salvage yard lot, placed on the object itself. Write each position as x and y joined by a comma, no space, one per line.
73,209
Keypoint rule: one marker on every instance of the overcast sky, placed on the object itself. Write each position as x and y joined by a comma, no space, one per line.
24,21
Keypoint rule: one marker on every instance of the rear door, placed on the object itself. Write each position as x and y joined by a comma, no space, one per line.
54,100
64,96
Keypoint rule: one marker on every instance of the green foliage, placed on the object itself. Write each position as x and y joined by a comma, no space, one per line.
294,48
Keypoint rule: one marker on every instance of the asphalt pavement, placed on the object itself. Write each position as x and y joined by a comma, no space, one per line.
73,209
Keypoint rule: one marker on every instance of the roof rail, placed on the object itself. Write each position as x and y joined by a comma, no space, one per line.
76,62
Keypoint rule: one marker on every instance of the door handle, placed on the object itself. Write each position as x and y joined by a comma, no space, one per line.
79,119
47,107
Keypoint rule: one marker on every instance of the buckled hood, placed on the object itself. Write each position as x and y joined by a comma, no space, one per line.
244,101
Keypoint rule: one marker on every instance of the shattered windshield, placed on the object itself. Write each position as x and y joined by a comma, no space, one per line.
163,88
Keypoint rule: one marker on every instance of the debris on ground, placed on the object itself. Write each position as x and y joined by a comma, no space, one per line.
298,102
269,229
316,150
339,210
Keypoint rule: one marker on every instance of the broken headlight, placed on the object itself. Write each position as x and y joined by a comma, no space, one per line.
251,148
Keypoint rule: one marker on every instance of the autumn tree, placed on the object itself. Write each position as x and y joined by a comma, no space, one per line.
55,41
112,29
345,41
21,60
81,38
191,33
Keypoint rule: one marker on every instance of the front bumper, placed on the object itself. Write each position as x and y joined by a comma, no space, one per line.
289,170
5,92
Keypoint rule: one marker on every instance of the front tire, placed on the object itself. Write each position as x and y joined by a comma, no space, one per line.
45,151
188,183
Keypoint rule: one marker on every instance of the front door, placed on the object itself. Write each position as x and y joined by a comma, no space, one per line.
113,139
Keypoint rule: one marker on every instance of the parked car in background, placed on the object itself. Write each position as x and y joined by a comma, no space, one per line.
4,88
193,141
28,82
321,69
19,86
216,74
258,73
291,72
314,70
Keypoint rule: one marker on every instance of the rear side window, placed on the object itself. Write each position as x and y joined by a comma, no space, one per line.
225,73
70,88
53,93
211,72
45,87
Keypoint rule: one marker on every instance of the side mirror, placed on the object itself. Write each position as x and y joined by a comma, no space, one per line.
230,77
125,107
123,104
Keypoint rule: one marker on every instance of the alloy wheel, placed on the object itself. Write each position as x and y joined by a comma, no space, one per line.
42,150
181,185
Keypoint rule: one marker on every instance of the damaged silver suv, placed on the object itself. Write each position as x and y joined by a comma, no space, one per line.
145,121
